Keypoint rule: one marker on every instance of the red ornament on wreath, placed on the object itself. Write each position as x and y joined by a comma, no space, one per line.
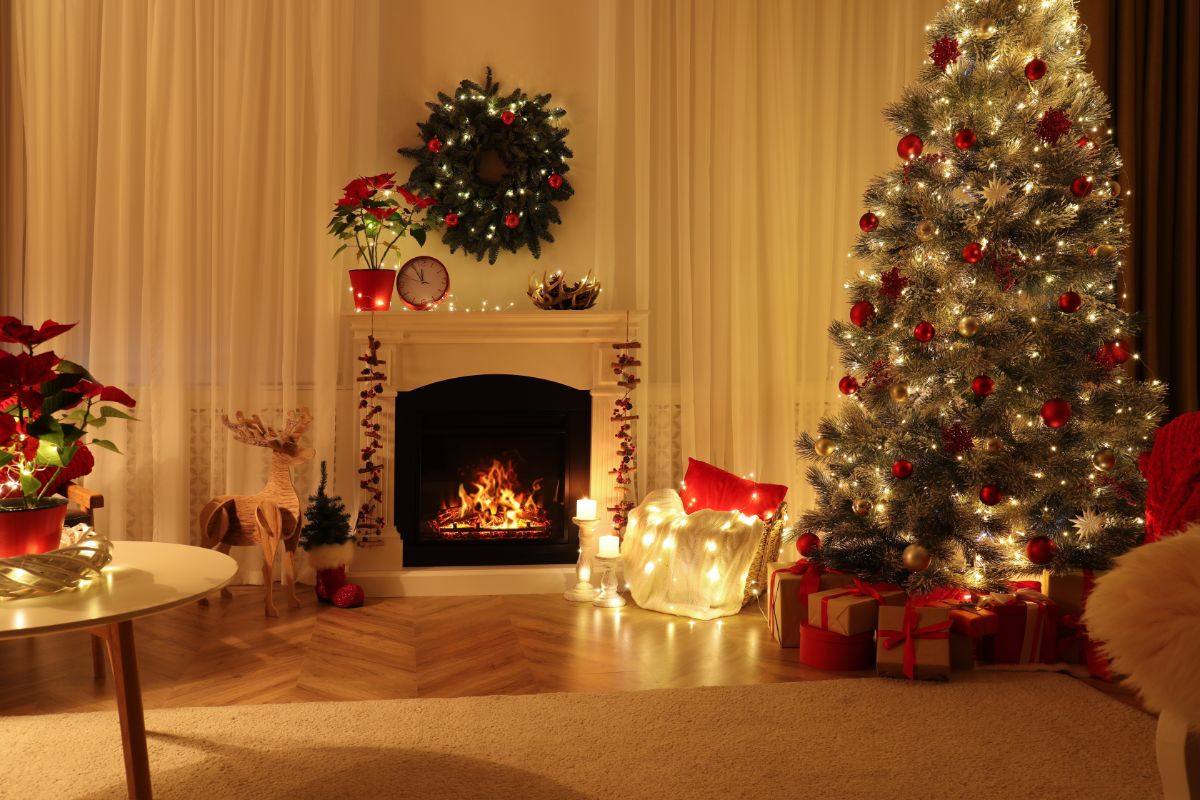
909,147
990,494
1056,413
848,385
965,139
807,544
511,220
862,312
555,180
1040,550
450,219
508,117
434,145
973,253
1081,186
983,385
1069,302
868,222
923,332
901,469
1035,70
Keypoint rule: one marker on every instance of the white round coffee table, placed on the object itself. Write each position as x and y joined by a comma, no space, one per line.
144,578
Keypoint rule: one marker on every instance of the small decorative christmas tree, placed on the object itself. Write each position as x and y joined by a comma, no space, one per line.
987,429
327,539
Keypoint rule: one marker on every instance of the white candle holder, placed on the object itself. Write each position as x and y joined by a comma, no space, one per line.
583,591
608,597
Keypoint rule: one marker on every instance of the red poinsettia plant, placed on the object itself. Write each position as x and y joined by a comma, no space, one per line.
371,214
49,408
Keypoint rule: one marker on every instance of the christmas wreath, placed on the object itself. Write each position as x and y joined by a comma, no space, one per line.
495,165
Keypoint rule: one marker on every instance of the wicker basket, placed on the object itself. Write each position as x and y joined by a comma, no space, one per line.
765,554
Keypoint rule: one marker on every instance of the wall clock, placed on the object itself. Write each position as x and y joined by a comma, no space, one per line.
422,283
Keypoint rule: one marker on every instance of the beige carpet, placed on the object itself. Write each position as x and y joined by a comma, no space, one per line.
985,735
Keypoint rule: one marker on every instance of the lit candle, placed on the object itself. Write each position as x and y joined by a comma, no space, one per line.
610,547
585,508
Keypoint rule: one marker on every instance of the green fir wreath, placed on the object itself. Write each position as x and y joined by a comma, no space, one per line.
496,166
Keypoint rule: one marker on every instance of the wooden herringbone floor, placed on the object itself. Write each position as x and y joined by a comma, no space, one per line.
228,653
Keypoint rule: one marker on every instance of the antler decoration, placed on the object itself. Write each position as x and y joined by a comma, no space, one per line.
252,430
552,293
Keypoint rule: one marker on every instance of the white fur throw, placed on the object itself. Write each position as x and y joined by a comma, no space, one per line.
1147,612
331,556
692,565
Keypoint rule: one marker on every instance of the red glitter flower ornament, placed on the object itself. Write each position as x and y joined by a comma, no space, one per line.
945,52
956,438
1053,125
892,283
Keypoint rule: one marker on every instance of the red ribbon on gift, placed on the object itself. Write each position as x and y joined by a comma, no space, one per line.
810,581
859,589
1026,593
910,633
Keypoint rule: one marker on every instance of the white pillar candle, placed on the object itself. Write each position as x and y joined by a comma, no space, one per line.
610,547
585,508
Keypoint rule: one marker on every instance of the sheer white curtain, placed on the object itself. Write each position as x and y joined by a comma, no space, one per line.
744,132
179,161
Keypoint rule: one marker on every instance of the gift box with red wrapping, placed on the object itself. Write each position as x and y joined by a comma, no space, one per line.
1026,629
853,609
1070,591
914,642
829,650
788,590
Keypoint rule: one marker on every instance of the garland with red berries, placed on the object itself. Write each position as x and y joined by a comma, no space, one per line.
495,165
370,472
623,367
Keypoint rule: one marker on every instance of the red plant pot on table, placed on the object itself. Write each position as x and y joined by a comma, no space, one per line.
28,531
372,288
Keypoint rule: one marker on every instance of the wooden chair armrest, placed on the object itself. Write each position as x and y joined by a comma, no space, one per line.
83,497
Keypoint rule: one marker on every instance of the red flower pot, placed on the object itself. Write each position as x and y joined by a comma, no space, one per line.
26,531
372,288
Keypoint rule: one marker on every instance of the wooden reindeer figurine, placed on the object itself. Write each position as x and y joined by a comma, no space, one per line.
273,515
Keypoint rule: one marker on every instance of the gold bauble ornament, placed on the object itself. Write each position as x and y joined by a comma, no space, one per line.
968,326
898,391
1105,250
1104,459
987,27
915,558
1085,38
824,447
1114,188
926,230
862,506
993,444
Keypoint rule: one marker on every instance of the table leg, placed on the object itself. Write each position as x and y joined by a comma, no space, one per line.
98,657
119,637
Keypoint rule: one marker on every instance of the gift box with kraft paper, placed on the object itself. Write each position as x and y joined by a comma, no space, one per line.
789,588
850,610
913,642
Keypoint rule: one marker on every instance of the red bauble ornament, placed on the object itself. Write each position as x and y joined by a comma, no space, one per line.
450,219
1035,70
1086,144
923,332
983,386
901,469
807,543
945,52
1040,550
1069,302
990,494
508,117
862,312
1113,354
1056,413
965,139
555,180
868,222
848,385
1053,125
434,145
511,220
349,596
910,147
1081,186
973,253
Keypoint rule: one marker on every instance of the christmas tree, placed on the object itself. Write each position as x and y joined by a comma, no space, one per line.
326,521
987,428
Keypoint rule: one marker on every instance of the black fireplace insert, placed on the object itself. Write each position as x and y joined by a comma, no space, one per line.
488,469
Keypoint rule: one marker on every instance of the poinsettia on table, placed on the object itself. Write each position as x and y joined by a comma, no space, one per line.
49,411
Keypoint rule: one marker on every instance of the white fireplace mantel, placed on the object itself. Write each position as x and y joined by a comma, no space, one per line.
571,347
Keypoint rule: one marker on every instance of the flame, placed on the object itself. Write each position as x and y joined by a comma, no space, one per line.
497,507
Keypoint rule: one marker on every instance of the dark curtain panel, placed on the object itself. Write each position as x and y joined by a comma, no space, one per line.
1146,55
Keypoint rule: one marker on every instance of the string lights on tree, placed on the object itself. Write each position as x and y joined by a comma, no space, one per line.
986,428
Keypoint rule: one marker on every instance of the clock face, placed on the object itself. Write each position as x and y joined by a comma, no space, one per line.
423,282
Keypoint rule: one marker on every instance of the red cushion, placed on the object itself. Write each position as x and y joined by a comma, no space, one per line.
707,487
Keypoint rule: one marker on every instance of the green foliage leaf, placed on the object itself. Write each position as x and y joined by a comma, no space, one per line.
109,412
70,367
418,234
30,485
106,444
337,252
48,454
6,457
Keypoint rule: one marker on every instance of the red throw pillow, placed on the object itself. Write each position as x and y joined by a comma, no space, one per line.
707,487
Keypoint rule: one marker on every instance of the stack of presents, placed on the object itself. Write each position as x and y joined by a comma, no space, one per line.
840,622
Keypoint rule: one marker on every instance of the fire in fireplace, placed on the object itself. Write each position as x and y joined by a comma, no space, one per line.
496,507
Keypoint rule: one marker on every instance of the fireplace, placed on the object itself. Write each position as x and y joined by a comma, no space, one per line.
488,469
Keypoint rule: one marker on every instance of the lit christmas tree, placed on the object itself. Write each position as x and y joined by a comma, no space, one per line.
987,428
